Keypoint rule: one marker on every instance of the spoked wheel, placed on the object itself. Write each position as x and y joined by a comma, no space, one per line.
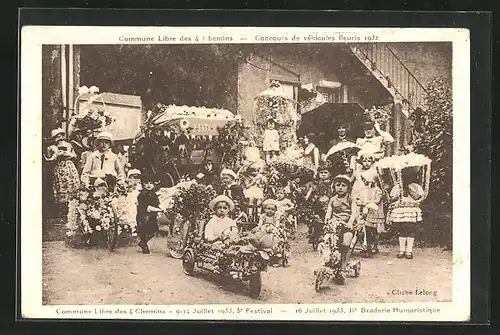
188,262
315,243
175,241
255,285
357,270
317,284
284,260
112,235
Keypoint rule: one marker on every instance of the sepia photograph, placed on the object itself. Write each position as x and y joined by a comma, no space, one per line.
247,175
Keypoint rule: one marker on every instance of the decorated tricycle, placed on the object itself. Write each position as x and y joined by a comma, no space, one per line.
331,258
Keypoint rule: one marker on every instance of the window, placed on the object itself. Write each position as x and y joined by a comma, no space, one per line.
330,95
290,89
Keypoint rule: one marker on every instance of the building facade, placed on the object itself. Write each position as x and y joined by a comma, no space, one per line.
231,76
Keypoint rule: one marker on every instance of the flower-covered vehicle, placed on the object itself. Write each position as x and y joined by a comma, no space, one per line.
242,263
175,140
94,217
331,261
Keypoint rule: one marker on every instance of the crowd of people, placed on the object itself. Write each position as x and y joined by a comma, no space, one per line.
351,204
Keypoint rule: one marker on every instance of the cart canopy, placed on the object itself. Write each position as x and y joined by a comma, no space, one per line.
200,121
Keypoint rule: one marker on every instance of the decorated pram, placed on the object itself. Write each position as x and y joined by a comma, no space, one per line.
397,171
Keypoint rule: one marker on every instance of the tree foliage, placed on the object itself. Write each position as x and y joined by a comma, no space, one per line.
436,142
194,75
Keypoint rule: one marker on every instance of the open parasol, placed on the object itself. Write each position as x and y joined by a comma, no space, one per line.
339,156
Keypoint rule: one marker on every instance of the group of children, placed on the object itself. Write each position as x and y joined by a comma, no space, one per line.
353,202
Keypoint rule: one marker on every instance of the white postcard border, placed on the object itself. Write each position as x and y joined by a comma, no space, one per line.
32,39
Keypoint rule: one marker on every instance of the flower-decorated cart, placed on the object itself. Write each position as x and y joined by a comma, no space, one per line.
241,263
189,205
176,139
95,219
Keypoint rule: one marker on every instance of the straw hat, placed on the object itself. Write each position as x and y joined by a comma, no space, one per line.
100,182
270,202
133,172
344,177
57,131
365,154
105,135
221,198
415,191
228,172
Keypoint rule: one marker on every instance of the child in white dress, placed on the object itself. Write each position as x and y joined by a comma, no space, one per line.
271,141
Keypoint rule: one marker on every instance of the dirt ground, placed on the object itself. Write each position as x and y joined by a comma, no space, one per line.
97,276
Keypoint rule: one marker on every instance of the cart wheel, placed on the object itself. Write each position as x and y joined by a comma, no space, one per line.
112,236
168,178
315,243
317,284
255,285
357,270
174,244
188,262
284,259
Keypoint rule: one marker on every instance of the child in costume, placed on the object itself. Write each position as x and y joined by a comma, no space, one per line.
319,194
221,228
405,212
147,213
341,216
369,201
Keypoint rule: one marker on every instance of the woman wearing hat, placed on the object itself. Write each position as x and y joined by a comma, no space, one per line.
65,175
103,162
311,152
375,140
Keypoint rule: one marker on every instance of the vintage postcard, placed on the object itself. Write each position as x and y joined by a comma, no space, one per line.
223,173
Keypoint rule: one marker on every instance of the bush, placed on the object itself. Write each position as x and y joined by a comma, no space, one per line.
435,140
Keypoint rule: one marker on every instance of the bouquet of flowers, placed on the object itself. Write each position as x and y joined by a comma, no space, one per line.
88,214
91,119
305,211
379,115
279,173
192,203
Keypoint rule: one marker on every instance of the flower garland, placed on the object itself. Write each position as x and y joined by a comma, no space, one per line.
279,108
228,145
91,119
379,115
